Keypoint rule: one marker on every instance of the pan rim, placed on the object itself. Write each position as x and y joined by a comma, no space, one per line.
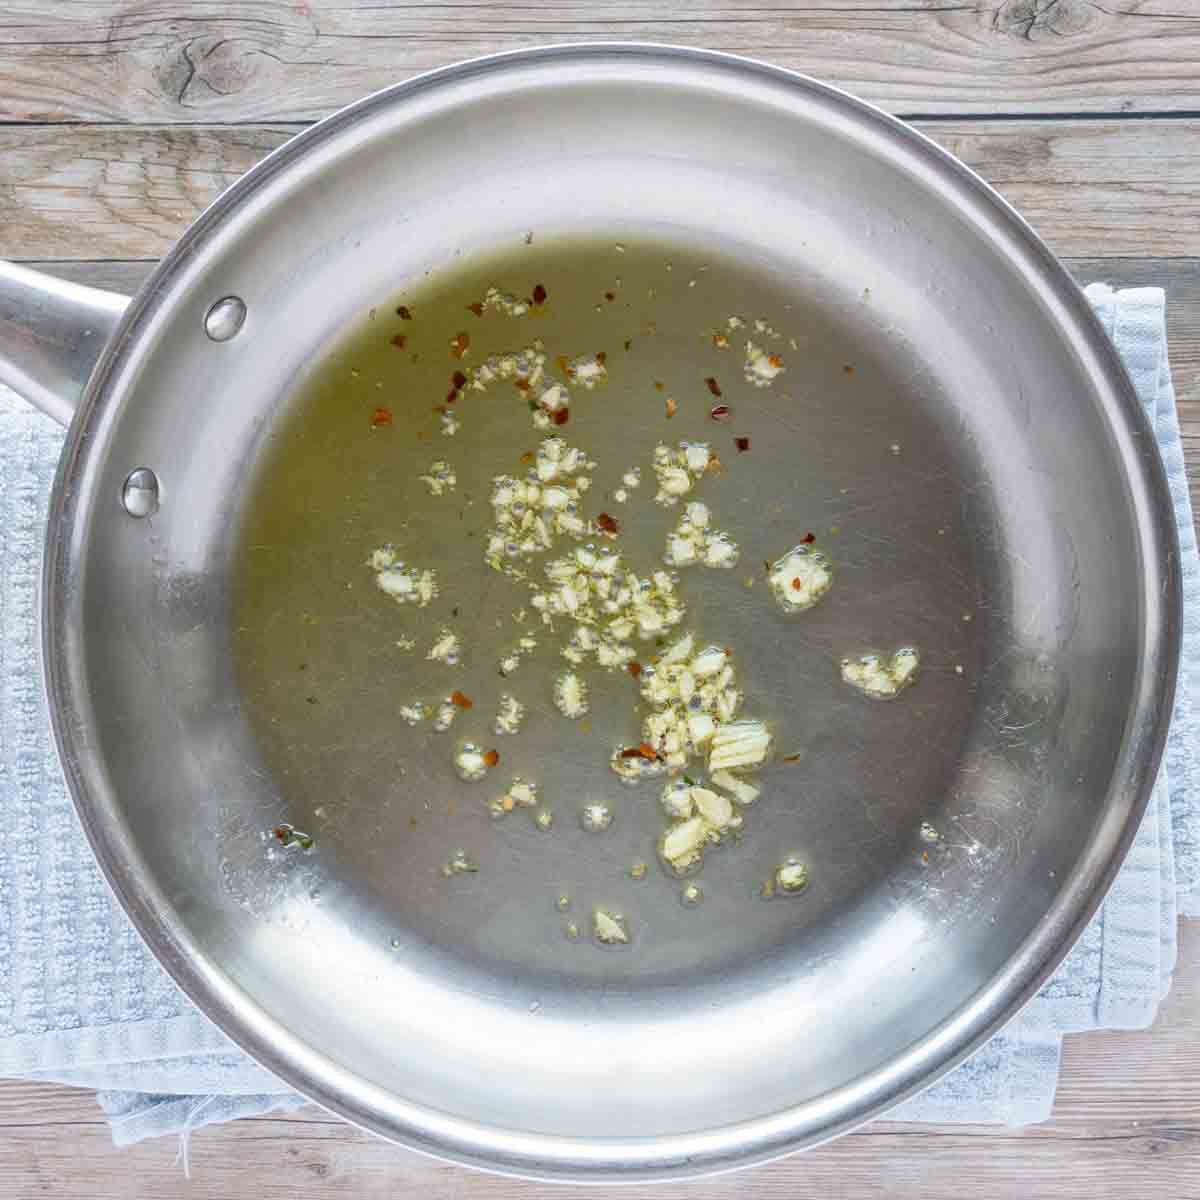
708,1151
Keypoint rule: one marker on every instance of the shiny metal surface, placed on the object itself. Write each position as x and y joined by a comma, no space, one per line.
1029,497
51,333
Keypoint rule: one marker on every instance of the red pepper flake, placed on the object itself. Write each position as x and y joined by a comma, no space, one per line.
602,357
925,856
645,750
608,524
672,407
742,443
491,758
459,343
459,380
281,832
522,385
562,416
720,412
715,466
775,360
658,385
400,341
635,669
461,701
849,370
476,308
451,396
720,341
539,294
609,297
713,386
793,758
381,417
796,584
527,458
808,538
728,652
564,366
404,312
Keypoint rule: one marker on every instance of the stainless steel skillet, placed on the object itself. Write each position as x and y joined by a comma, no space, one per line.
981,476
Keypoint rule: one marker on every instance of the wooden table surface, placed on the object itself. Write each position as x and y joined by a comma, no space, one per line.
120,120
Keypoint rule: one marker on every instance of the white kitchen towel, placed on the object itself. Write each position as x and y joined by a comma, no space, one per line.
82,1001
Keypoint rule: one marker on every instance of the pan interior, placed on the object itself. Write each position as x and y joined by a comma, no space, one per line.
849,446
943,427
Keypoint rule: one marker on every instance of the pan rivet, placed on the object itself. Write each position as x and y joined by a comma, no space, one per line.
139,496
225,318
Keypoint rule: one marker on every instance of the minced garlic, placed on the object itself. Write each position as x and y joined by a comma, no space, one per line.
596,817
677,800
571,695
744,793
415,713
609,928
800,578
460,863
880,678
441,478
405,584
791,876
446,713
588,370
677,470
502,302
446,648
473,763
693,541
717,810
521,794
739,745
530,514
510,715
761,368
681,846
524,793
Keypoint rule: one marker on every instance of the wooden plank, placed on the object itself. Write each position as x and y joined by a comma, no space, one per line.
95,192
66,192
329,1163
1127,1123
249,60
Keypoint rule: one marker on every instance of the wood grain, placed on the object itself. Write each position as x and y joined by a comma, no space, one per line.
1132,188
272,60
1126,1124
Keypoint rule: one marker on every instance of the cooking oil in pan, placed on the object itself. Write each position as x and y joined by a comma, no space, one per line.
524,525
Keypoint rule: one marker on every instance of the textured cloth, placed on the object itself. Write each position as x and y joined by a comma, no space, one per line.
82,1001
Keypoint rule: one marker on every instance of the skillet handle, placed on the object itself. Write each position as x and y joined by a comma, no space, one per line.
51,334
